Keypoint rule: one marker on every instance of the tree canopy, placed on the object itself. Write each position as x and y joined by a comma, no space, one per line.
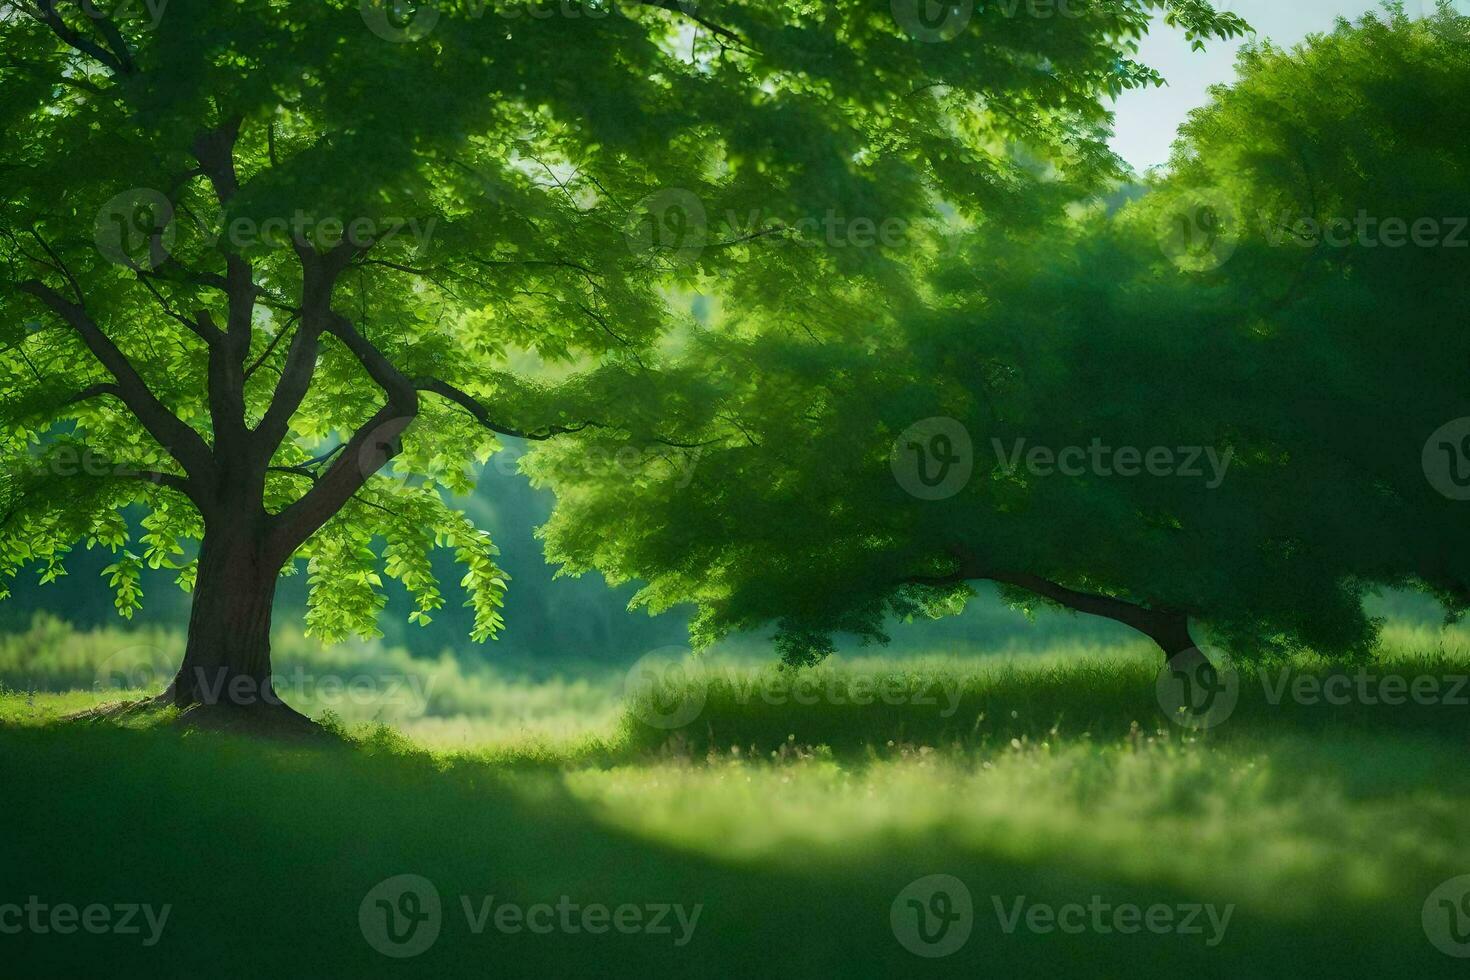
254,252
1230,426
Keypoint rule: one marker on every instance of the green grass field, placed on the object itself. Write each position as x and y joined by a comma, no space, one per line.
1087,829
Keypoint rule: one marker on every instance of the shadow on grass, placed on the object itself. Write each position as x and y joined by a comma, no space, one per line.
760,713
265,853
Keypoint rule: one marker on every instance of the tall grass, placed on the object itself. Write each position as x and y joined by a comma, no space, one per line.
355,681
792,821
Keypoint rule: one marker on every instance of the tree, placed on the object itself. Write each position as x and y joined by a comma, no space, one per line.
886,478
893,472
253,253
1341,170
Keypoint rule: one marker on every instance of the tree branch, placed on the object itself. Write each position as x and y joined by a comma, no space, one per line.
44,11
291,389
686,9
60,266
95,391
481,414
110,34
269,348
310,474
395,384
215,151
369,449
319,279
179,439
201,327
1167,627
179,483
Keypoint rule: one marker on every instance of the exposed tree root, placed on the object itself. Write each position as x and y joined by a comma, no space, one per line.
262,719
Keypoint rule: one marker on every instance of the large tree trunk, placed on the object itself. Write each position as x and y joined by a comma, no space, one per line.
227,662
1170,631
228,657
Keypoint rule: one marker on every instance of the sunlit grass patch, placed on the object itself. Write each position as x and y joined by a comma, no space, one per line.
1057,777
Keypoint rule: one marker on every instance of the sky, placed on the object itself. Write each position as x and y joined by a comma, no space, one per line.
1147,120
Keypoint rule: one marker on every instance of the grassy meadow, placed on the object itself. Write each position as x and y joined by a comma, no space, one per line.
1292,837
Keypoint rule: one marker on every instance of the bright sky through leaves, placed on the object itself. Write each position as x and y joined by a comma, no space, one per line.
1147,119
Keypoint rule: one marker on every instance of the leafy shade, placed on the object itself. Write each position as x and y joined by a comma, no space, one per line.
254,252
1290,390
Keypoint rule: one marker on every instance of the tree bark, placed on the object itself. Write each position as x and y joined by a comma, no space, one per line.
228,657
1168,628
